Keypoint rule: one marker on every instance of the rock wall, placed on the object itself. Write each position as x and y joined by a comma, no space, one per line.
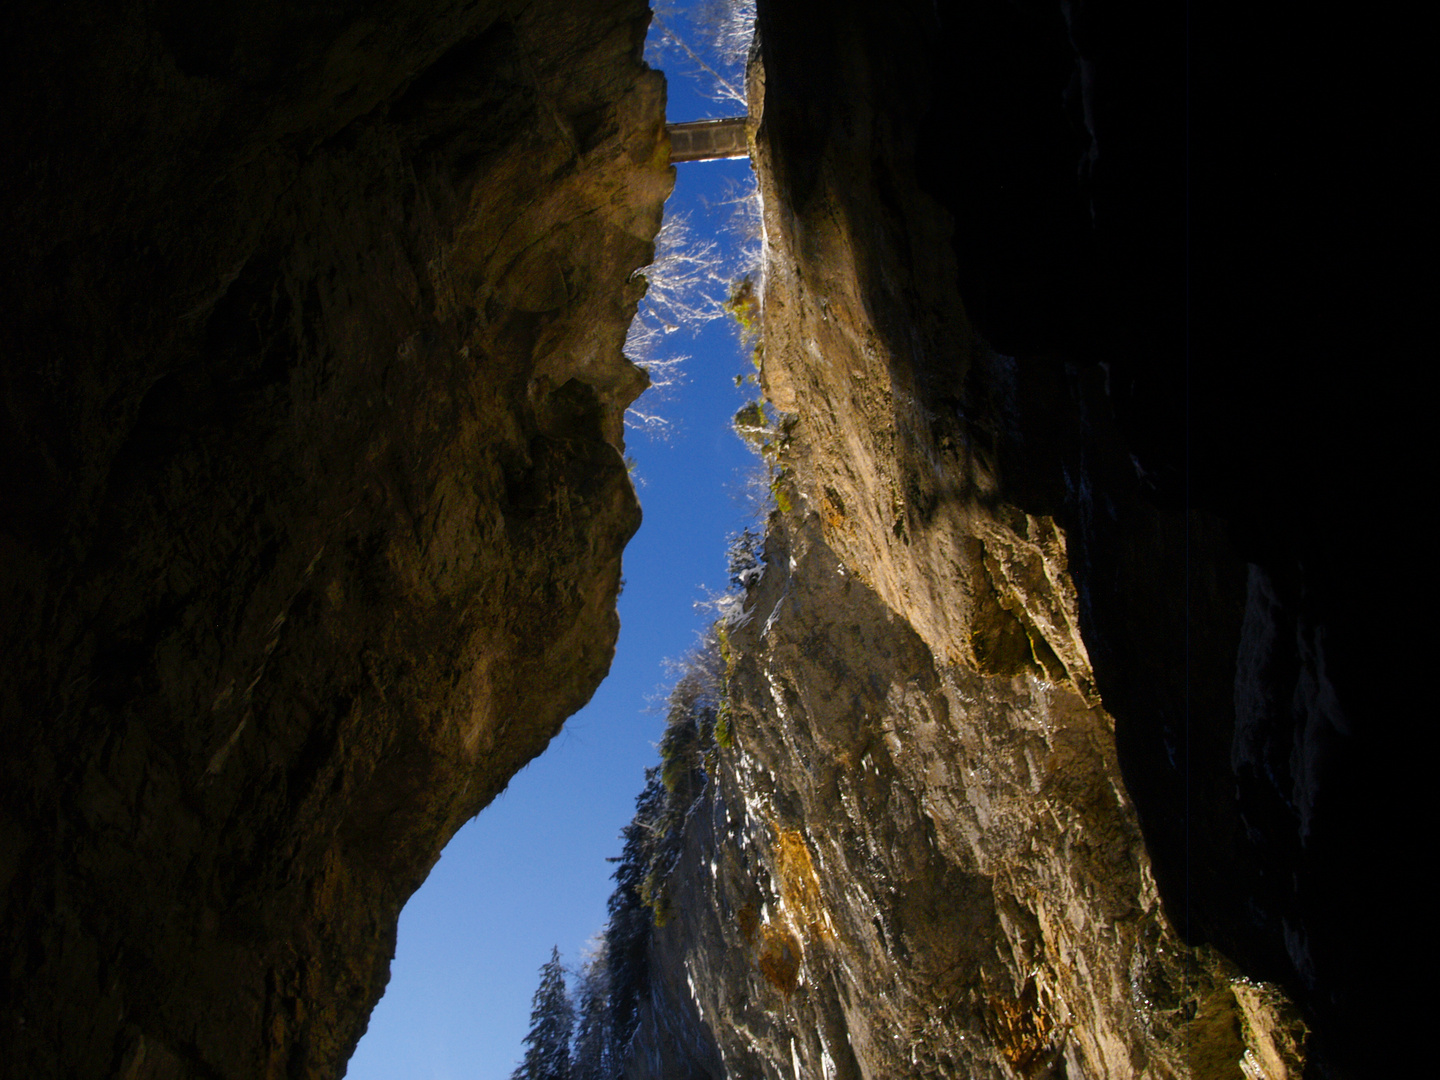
901,866
313,488
313,504
917,855
1058,747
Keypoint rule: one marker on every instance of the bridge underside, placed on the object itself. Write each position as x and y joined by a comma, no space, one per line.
709,140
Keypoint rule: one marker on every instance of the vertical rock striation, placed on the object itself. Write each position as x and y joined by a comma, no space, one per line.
313,489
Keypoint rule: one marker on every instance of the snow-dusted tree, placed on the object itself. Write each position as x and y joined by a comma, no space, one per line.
692,274
685,288
552,1018
710,42
627,933
594,1057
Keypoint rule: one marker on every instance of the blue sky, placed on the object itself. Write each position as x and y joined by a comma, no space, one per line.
530,871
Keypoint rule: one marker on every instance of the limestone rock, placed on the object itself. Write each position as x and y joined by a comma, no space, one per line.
901,866
977,325
313,485
917,856
1100,265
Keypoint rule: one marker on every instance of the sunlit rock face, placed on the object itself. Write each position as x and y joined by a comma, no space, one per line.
904,867
1054,753
313,488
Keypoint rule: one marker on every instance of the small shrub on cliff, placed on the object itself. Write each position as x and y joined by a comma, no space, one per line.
752,425
743,305
745,560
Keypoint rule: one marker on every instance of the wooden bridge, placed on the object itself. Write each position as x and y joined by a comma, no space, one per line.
709,140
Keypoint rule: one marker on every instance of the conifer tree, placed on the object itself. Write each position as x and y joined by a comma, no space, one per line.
552,1018
594,1057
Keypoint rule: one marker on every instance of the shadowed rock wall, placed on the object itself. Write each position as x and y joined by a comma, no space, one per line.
1055,297
313,489
1171,237
916,856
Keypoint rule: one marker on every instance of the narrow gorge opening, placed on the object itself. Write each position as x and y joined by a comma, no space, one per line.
531,870
1057,742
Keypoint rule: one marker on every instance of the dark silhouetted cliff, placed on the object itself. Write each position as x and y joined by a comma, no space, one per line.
313,489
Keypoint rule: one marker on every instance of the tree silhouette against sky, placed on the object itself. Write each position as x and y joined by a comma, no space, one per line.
547,1054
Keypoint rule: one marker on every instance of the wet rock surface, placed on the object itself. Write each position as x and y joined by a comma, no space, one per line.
313,485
